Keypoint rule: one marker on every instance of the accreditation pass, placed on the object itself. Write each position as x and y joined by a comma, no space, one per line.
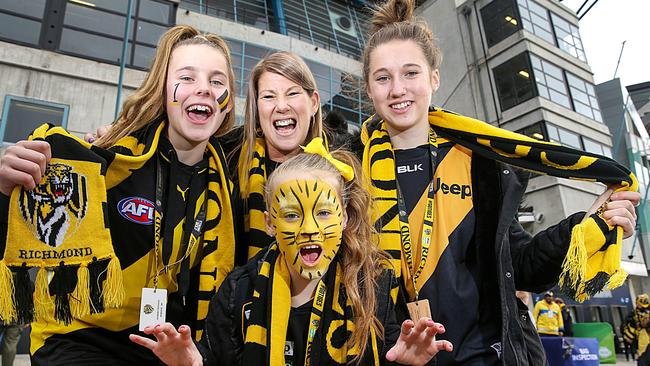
153,307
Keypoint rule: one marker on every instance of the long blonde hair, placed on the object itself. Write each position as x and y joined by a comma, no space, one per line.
394,20
292,67
361,259
147,103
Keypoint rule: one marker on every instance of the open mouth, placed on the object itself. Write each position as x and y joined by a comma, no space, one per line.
199,112
285,126
401,106
310,254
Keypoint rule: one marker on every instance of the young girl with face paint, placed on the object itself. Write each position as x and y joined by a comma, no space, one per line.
317,296
168,202
446,205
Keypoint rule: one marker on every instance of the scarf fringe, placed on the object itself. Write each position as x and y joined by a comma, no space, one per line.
114,285
81,294
24,295
43,304
7,304
63,285
574,266
96,273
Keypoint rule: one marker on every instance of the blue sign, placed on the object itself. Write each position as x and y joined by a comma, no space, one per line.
566,351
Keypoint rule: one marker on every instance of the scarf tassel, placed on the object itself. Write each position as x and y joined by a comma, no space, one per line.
24,295
62,285
114,285
81,295
7,304
574,265
42,300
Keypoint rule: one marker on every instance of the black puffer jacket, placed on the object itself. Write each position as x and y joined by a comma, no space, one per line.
520,261
223,343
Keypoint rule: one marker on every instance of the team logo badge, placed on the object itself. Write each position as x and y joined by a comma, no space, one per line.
136,209
148,309
55,208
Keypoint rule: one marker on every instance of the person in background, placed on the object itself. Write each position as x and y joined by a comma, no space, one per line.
10,338
634,324
548,317
566,317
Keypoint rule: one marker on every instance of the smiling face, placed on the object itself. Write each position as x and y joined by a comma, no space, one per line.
401,84
285,112
197,96
307,216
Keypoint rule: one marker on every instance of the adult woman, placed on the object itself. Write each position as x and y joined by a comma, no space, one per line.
282,112
447,208
317,296
167,201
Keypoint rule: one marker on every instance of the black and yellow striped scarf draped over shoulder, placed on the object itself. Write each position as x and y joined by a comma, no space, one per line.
252,192
265,330
593,259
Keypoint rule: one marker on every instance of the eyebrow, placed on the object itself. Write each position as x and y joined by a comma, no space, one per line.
192,68
383,69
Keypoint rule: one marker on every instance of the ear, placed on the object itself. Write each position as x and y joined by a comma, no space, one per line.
270,229
315,101
435,80
344,220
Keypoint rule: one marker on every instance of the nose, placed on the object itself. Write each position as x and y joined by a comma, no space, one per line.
398,88
309,228
281,104
203,88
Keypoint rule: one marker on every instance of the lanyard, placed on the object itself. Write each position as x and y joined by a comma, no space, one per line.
314,319
427,225
197,227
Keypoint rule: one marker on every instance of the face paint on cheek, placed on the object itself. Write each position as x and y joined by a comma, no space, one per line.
223,100
174,100
307,216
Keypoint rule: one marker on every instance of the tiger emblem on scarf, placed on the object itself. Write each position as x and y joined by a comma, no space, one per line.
55,208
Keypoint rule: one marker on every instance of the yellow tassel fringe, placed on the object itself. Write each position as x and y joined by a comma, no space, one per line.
80,302
7,297
43,304
114,285
575,262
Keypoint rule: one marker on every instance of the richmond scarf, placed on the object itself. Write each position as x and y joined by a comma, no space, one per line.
48,228
329,327
593,258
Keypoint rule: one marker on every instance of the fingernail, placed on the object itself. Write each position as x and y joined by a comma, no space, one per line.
91,140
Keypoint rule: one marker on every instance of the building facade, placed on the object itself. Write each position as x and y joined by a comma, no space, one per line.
520,65
59,59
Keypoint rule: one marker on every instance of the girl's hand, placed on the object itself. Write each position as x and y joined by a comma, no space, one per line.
417,344
23,164
174,348
101,131
619,210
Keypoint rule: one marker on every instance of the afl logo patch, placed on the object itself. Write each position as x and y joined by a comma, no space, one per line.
137,209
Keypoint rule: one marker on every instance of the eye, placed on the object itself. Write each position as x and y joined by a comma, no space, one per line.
381,79
267,97
323,213
186,78
411,74
291,216
294,92
216,82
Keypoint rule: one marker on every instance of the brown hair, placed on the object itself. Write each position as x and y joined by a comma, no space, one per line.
292,67
147,103
394,20
361,259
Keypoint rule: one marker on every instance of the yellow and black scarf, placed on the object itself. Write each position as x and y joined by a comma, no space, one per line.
254,199
593,258
331,321
110,167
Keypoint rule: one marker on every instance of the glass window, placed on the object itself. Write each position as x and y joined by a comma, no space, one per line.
155,11
513,80
535,131
568,37
21,116
31,8
95,20
91,45
500,19
584,97
119,6
535,19
596,147
19,29
562,136
149,33
550,81
143,56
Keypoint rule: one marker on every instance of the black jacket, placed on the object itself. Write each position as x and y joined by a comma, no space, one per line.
521,261
223,343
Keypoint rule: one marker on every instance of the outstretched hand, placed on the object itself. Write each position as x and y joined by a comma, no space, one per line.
174,348
619,210
417,344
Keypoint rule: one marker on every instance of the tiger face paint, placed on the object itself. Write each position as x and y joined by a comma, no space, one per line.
307,216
